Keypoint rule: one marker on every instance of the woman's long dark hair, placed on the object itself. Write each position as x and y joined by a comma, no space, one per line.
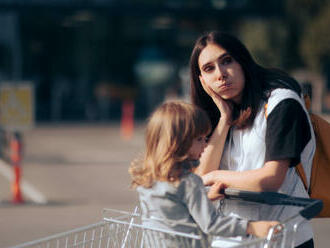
259,81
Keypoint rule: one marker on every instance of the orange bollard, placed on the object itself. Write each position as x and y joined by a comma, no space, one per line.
16,158
127,120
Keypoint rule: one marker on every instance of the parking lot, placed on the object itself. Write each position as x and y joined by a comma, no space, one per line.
78,170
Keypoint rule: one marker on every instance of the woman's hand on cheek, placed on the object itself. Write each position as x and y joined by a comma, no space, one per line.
225,107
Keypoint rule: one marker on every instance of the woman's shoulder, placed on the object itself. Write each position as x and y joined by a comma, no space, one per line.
282,93
279,95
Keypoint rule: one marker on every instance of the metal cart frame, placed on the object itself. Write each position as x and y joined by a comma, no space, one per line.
120,229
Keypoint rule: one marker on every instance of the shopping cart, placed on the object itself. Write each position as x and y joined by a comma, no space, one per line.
120,229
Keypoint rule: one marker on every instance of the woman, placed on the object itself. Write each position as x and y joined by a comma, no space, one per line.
175,138
251,147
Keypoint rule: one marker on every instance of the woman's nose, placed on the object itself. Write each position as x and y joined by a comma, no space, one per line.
221,74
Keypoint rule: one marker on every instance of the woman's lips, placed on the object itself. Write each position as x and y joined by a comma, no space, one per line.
224,86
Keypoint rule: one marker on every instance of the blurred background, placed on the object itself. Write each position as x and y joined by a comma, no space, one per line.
85,57
79,77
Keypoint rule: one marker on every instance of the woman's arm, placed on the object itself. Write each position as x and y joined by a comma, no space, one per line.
268,178
210,159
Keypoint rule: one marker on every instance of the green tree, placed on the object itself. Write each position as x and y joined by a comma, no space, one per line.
315,44
266,39
308,22
303,11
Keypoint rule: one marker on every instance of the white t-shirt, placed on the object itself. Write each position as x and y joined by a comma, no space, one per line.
286,133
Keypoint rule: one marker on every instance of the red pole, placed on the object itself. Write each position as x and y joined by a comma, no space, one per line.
127,119
16,158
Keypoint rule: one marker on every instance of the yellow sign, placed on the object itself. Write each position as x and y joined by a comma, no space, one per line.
16,106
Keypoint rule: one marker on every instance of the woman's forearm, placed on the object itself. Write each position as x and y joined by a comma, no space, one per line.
210,159
268,178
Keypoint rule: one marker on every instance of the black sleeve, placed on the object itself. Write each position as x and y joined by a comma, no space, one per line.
288,132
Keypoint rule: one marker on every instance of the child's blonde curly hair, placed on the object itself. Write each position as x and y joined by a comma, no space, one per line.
169,136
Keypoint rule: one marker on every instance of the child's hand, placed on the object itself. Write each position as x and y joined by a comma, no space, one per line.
260,228
214,191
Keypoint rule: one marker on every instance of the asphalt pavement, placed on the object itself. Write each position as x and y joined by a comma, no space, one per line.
70,173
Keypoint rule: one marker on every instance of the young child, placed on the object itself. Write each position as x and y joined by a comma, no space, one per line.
168,189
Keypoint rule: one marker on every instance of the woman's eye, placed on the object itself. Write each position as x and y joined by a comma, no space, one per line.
227,60
208,68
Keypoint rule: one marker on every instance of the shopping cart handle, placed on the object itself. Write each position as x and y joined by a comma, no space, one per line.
311,206
312,210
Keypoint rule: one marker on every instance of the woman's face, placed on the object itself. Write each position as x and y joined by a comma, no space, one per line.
221,72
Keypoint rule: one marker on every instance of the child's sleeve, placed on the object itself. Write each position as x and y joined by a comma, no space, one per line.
205,214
